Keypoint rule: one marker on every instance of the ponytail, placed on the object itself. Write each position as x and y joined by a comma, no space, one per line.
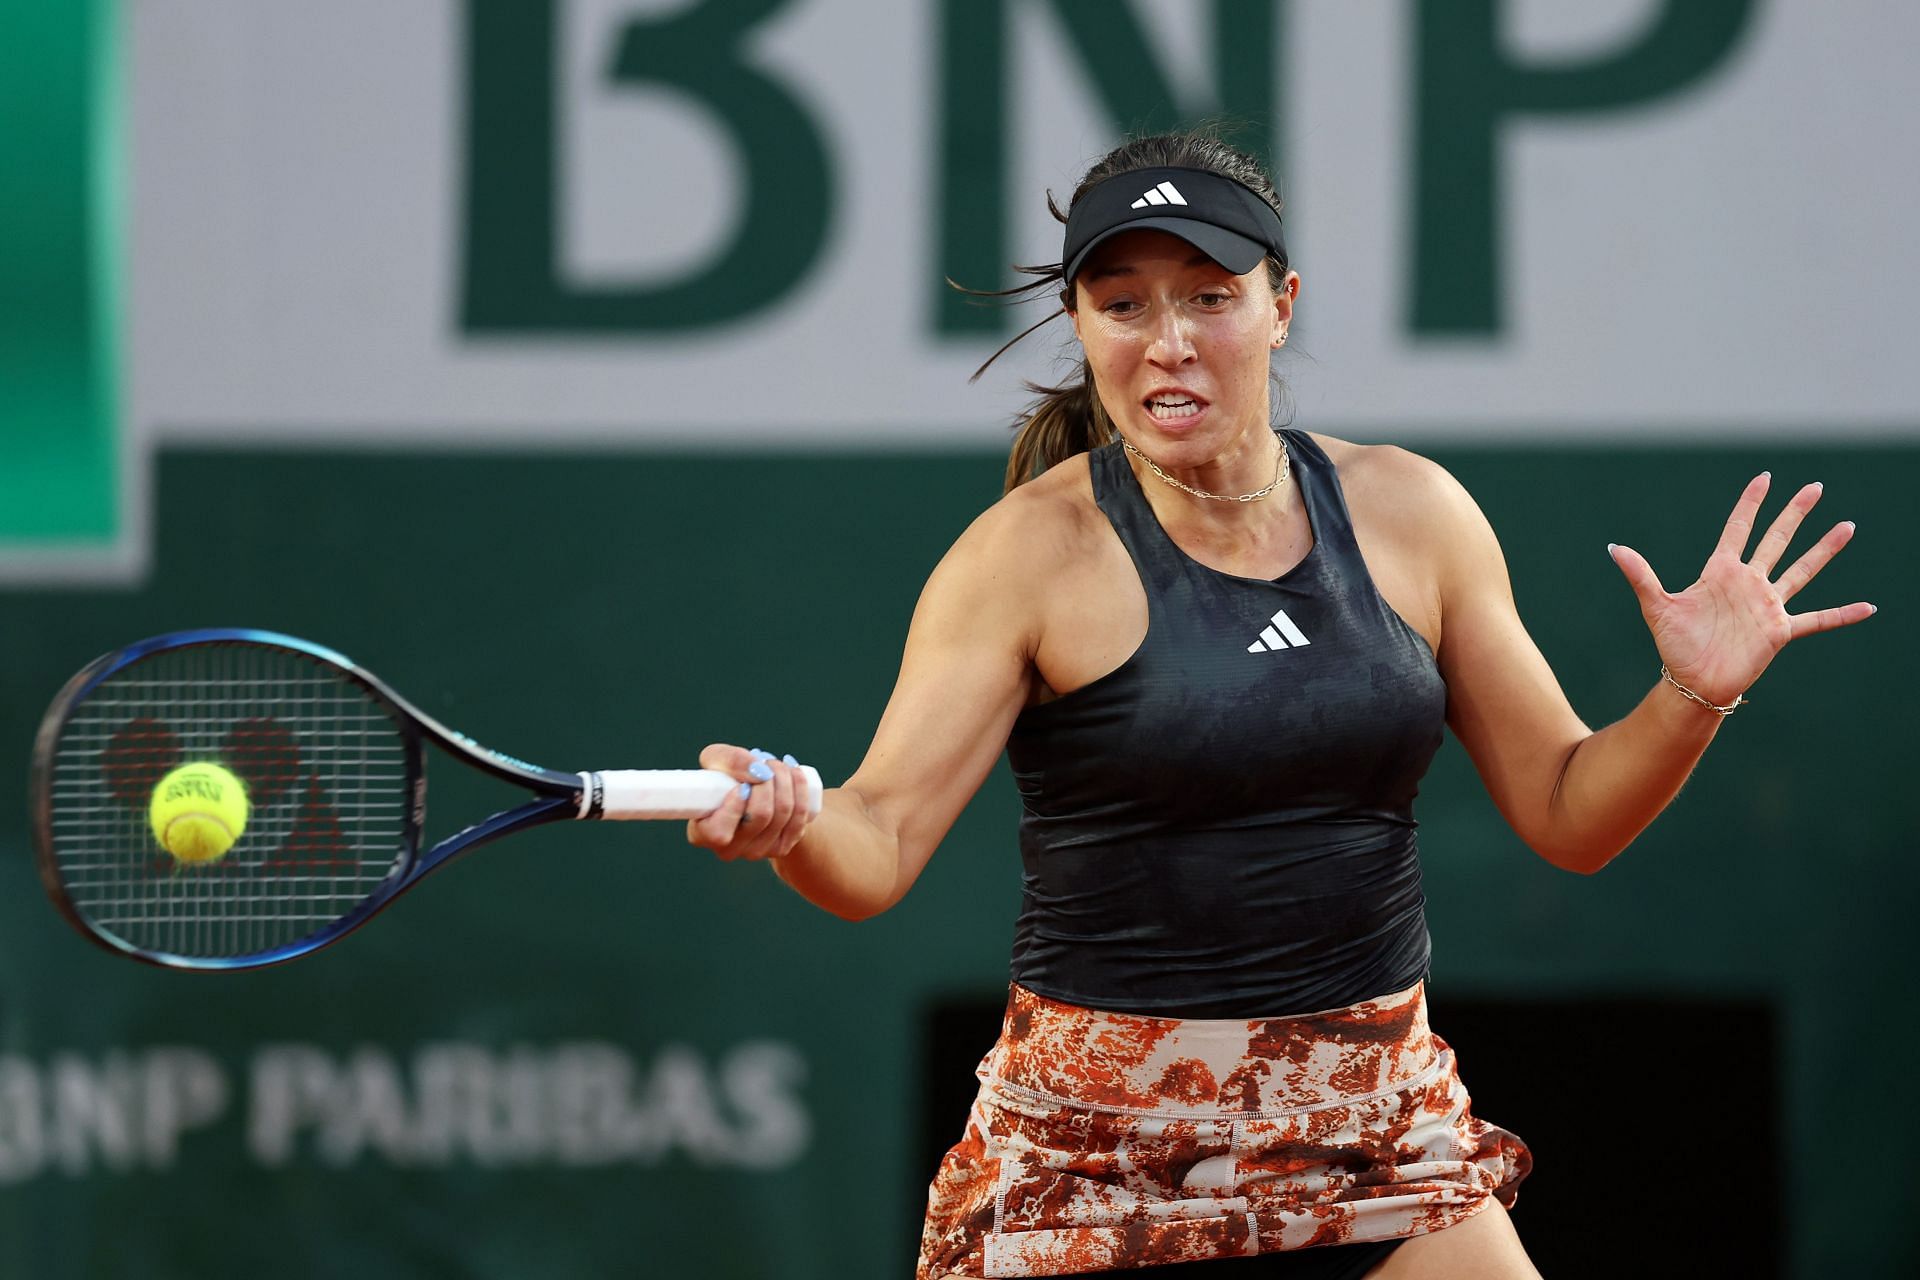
1065,420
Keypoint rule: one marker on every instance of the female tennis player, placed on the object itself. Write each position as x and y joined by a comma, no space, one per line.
1219,656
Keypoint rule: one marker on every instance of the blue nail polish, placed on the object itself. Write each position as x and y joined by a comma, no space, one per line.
789,760
746,789
759,772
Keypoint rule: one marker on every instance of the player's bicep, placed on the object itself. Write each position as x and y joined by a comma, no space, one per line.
963,678
1503,700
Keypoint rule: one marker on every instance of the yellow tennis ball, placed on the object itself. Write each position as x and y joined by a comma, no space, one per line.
198,811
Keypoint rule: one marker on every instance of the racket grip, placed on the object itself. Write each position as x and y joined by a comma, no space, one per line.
668,793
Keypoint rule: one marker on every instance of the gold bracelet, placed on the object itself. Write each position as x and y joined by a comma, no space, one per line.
1739,700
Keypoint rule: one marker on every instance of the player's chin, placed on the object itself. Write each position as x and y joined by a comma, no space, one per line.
1181,443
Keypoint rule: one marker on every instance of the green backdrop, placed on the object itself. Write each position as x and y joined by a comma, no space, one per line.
614,611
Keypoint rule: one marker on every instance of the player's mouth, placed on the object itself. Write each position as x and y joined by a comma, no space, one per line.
1174,408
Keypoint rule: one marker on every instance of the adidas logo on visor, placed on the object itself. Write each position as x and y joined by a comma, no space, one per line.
1279,633
1165,193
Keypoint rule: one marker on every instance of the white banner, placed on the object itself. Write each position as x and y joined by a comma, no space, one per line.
1690,231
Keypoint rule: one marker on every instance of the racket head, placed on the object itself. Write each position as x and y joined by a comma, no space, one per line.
334,766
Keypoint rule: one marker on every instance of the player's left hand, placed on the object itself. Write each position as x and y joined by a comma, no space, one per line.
1718,635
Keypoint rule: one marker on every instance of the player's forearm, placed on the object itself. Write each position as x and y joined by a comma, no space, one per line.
846,863
1617,781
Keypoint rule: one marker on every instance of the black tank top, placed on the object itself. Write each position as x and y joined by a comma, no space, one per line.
1222,827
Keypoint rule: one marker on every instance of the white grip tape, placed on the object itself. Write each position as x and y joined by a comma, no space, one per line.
674,793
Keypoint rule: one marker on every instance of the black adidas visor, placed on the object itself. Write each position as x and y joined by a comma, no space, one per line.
1219,217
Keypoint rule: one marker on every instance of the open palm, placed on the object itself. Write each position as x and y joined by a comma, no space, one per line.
1719,634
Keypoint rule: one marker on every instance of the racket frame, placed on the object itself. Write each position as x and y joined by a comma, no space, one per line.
558,796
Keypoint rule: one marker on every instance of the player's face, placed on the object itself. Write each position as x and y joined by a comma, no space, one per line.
1178,344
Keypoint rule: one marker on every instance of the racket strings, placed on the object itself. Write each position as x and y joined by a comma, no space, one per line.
326,770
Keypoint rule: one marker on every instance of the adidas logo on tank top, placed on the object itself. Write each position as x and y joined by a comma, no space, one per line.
1278,634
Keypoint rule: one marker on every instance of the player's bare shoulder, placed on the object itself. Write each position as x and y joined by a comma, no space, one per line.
1042,527
1420,532
1400,496
1005,565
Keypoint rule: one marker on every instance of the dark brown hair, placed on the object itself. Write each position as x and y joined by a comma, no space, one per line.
1069,418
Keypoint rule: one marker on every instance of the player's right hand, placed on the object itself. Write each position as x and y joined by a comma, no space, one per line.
762,818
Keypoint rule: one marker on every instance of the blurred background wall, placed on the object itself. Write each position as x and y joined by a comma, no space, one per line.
585,368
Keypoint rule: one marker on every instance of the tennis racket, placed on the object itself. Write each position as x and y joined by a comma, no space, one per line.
335,767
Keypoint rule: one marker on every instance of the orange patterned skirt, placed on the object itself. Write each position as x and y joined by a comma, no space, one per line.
1106,1141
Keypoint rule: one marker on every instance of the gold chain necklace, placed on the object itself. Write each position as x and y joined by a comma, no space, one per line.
1282,468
